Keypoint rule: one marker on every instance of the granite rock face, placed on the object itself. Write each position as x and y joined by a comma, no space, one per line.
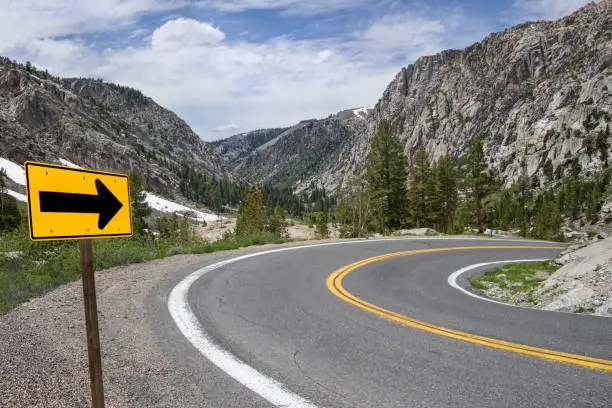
97,125
539,91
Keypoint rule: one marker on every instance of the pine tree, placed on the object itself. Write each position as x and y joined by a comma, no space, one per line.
321,228
386,175
354,211
593,204
140,208
479,182
10,217
446,180
420,188
433,198
252,217
277,224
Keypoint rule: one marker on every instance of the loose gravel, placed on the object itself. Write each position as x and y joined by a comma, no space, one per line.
43,350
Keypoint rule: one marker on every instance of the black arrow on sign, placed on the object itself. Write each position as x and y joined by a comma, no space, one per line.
104,203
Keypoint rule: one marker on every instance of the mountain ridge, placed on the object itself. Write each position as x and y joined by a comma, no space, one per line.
538,91
97,125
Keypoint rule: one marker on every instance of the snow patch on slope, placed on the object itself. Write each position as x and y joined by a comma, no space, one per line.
18,196
362,113
163,205
14,171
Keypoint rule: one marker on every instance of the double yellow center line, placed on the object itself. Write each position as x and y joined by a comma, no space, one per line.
334,284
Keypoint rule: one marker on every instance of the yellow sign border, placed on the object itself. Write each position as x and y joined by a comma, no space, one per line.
82,170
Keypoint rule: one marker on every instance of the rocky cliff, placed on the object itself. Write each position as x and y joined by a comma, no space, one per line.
97,125
541,91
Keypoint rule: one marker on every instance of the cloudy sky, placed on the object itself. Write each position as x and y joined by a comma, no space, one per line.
229,66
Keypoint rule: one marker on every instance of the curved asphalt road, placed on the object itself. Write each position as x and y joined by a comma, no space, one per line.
276,313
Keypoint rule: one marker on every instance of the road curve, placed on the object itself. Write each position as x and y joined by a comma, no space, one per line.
281,315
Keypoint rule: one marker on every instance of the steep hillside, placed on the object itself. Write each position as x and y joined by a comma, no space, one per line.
236,147
544,89
97,125
540,91
302,153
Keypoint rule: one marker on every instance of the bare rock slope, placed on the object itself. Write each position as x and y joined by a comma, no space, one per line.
540,91
584,282
97,125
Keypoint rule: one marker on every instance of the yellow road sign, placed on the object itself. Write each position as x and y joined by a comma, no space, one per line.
74,203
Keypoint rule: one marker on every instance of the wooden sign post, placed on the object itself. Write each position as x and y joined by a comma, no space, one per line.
91,324
74,203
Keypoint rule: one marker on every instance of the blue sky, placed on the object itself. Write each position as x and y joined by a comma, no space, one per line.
230,66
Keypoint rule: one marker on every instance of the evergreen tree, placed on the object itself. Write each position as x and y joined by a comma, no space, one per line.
479,182
354,211
10,217
420,188
446,180
433,198
593,204
140,208
574,203
321,228
252,217
547,223
386,175
277,224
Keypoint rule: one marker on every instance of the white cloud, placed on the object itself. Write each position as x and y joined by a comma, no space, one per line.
225,128
292,7
27,20
545,9
188,66
184,32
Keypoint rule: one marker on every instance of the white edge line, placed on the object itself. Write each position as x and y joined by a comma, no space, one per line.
452,280
266,387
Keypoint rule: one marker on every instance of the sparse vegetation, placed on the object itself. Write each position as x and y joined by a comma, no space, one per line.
519,279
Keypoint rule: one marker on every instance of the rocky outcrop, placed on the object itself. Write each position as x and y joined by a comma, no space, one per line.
540,91
583,283
97,125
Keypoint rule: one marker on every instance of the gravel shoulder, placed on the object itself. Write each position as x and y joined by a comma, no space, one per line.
43,350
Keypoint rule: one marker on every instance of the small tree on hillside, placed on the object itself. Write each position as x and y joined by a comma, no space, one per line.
140,208
321,228
10,217
354,211
253,217
277,224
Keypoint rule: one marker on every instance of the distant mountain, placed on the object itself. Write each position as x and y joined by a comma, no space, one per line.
236,147
98,125
296,156
540,91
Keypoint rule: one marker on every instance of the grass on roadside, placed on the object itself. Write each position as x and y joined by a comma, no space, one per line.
515,279
29,269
